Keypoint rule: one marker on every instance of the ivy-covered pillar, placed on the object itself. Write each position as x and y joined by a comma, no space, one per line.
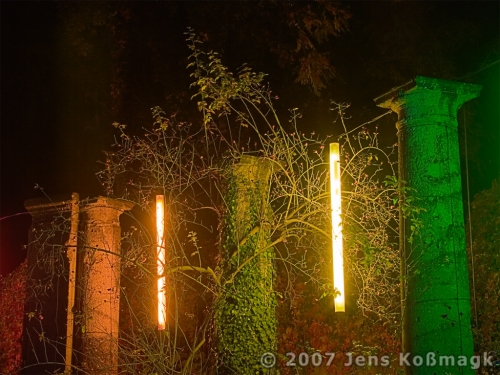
437,313
246,310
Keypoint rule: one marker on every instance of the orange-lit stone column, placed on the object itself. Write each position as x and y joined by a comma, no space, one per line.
100,282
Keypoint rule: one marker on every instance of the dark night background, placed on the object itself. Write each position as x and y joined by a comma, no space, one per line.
69,69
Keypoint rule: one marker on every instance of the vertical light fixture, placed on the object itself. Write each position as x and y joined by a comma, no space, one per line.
337,249
160,251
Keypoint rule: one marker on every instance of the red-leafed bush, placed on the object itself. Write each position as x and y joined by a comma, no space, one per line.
309,325
485,224
12,297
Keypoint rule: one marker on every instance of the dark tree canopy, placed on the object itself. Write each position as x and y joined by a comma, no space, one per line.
70,69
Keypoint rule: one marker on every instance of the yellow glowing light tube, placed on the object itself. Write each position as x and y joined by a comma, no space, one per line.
160,250
337,249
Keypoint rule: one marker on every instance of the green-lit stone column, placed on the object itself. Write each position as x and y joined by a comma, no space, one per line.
246,311
437,314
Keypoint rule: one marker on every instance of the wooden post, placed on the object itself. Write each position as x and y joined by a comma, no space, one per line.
72,256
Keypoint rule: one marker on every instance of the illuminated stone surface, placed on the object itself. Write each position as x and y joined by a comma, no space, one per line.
438,315
97,279
101,284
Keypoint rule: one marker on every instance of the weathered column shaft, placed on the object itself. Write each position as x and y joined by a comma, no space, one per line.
101,284
437,311
246,312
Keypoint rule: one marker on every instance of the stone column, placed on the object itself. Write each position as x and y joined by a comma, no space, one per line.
437,311
245,313
101,284
252,179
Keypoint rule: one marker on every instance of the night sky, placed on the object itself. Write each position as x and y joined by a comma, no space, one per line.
70,69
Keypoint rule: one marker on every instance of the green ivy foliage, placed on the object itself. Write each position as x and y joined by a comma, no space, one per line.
407,200
246,310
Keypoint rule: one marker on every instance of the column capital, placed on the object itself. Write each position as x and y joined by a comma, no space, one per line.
119,205
256,169
432,97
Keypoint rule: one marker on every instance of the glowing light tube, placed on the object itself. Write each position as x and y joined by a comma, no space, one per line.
337,249
160,250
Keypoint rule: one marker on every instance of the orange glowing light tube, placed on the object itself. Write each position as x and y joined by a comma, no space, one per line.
337,249
160,250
